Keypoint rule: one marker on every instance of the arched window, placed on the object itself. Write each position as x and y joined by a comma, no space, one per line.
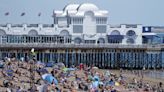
3,37
64,33
77,40
115,32
130,33
66,37
89,13
115,37
101,40
32,32
2,32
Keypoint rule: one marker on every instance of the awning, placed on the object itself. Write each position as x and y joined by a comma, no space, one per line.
149,36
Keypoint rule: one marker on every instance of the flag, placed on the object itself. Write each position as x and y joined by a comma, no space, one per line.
39,14
22,14
7,13
146,29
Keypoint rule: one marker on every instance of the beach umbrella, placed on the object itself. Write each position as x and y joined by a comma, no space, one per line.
44,76
96,78
60,64
95,67
9,72
55,67
49,78
95,84
90,77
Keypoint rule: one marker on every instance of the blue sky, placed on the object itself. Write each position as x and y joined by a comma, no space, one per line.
146,12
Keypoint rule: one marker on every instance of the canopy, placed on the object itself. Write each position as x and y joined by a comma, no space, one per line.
149,36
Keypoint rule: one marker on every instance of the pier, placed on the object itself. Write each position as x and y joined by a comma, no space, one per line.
101,55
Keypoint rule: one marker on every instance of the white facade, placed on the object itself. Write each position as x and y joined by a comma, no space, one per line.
83,23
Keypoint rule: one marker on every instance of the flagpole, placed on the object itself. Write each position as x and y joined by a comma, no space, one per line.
39,20
39,15
22,14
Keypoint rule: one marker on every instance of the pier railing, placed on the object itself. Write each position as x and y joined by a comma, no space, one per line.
57,45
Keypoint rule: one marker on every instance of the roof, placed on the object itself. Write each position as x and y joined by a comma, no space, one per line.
88,7
71,7
80,10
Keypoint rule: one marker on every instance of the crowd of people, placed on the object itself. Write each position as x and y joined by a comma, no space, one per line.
15,76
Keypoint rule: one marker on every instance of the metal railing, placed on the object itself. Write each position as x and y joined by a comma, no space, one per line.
69,45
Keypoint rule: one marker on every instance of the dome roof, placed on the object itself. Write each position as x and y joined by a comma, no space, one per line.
71,7
88,7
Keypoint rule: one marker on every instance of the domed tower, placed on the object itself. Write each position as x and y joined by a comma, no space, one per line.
84,19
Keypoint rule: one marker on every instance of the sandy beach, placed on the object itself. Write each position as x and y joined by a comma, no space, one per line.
16,77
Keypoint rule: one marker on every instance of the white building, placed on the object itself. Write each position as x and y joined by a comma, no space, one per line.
75,24
74,36
88,24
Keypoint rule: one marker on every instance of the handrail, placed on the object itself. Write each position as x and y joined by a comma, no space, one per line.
69,45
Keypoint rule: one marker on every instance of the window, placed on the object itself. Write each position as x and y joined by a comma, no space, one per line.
77,20
90,41
130,33
77,40
4,39
101,29
115,32
101,20
78,29
115,38
101,40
